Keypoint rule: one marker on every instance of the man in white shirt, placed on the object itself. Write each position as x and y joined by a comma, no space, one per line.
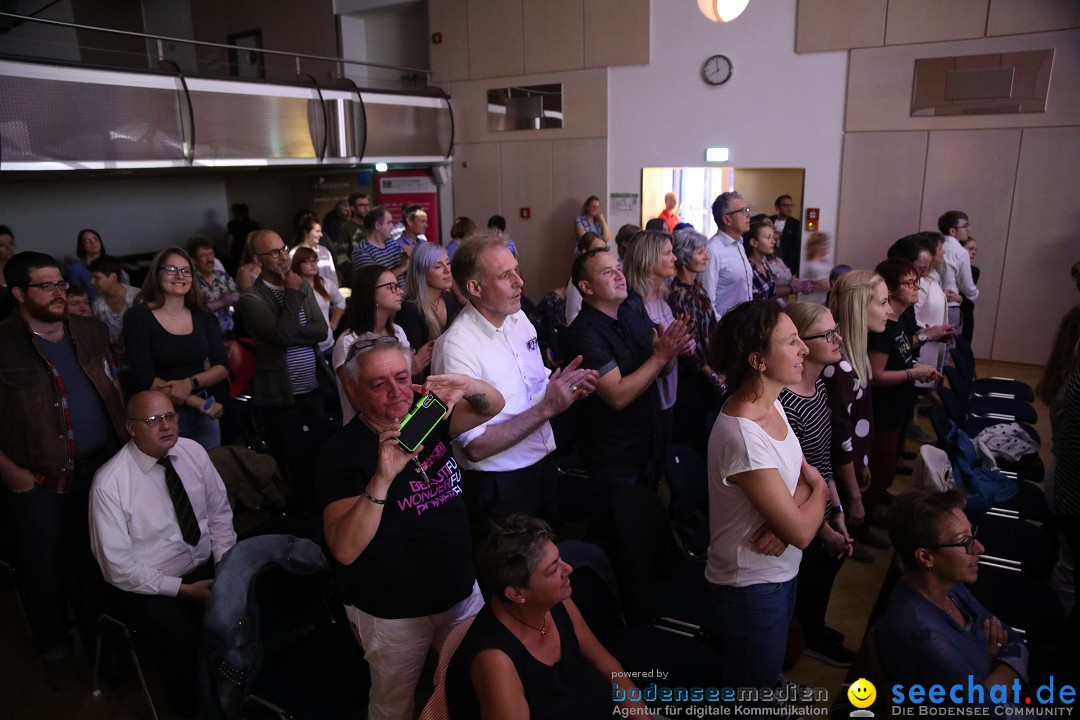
956,276
508,461
158,515
728,279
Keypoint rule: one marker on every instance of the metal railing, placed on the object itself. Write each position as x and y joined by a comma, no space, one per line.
408,77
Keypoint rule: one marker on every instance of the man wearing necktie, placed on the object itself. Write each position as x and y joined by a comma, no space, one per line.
160,523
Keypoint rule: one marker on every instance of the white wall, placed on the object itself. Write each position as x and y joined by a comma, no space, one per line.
132,214
778,110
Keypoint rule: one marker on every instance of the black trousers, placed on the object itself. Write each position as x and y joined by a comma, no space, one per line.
532,490
817,572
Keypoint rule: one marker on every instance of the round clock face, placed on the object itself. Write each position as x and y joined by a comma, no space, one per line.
716,70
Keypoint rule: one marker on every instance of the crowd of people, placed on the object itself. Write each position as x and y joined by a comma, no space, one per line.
799,392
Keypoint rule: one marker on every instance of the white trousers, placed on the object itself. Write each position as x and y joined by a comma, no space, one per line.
395,649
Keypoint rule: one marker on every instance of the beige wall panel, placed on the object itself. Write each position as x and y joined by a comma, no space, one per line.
839,24
919,21
495,33
880,84
972,171
579,169
526,182
476,181
617,32
761,186
1011,17
450,58
584,107
554,35
880,194
1036,289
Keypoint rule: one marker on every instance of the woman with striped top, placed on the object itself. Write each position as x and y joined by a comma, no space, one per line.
807,409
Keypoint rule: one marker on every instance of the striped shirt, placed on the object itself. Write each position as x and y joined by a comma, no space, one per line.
1067,452
388,257
299,358
809,418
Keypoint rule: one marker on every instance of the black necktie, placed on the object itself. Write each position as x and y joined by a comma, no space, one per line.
185,515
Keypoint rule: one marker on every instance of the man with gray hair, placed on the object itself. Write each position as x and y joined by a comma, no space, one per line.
509,460
728,279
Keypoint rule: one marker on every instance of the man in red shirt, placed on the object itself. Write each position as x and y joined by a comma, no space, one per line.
668,215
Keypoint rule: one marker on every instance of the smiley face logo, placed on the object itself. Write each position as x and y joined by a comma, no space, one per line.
862,693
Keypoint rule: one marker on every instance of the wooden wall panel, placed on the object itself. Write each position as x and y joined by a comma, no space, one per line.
921,21
617,32
495,33
554,35
476,179
579,169
973,171
584,107
839,24
450,58
1036,289
880,194
526,182
1012,17
880,84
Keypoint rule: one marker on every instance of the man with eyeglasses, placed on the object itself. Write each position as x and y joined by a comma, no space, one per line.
62,418
956,276
160,522
282,315
728,278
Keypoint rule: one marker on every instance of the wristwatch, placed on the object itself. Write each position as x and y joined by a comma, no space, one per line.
194,382
922,338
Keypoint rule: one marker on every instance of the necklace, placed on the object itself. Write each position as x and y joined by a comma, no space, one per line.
416,461
542,629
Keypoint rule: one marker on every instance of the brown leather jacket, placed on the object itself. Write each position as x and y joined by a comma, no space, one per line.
33,425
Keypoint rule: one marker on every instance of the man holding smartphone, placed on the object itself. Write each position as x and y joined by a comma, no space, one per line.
508,461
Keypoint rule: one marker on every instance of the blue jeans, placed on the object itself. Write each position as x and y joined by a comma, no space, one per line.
200,427
752,623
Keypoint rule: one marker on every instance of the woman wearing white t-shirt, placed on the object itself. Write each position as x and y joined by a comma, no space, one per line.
766,502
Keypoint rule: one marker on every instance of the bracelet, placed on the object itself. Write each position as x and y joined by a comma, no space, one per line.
373,499
209,404
908,374
194,382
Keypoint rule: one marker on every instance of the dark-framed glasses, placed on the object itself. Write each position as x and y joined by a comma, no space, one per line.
155,420
276,252
391,286
369,341
830,335
49,286
967,543
745,211
913,284
176,270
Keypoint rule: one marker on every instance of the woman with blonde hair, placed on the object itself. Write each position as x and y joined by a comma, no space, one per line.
429,305
806,405
649,266
860,304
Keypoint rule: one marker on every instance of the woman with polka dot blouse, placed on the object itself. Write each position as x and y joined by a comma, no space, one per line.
860,304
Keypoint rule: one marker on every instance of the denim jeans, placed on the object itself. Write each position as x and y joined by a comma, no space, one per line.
752,623
200,427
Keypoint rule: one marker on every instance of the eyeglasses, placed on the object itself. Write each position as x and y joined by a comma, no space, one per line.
176,270
48,286
965,225
745,211
154,420
370,341
829,335
968,544
913,284
276,252
391,286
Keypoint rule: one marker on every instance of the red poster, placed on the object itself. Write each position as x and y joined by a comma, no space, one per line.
396,188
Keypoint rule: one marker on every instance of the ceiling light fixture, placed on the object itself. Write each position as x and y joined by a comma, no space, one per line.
722,10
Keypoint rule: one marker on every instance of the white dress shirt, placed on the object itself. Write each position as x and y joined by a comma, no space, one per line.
134,533
727,279
508,358
956,271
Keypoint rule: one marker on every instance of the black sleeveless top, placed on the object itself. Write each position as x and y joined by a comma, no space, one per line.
571,688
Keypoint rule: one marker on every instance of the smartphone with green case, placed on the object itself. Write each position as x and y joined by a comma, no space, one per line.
421,420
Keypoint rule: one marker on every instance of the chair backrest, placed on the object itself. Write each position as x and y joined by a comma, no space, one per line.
687,478
953,406
956,381
644,548
595,589
960,360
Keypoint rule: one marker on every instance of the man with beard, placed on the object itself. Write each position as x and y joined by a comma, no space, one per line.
63,417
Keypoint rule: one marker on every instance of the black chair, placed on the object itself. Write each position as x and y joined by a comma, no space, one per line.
964,360
986,405
658,579
955,410
687,479
113,627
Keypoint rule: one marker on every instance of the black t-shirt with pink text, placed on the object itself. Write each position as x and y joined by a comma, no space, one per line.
420,560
